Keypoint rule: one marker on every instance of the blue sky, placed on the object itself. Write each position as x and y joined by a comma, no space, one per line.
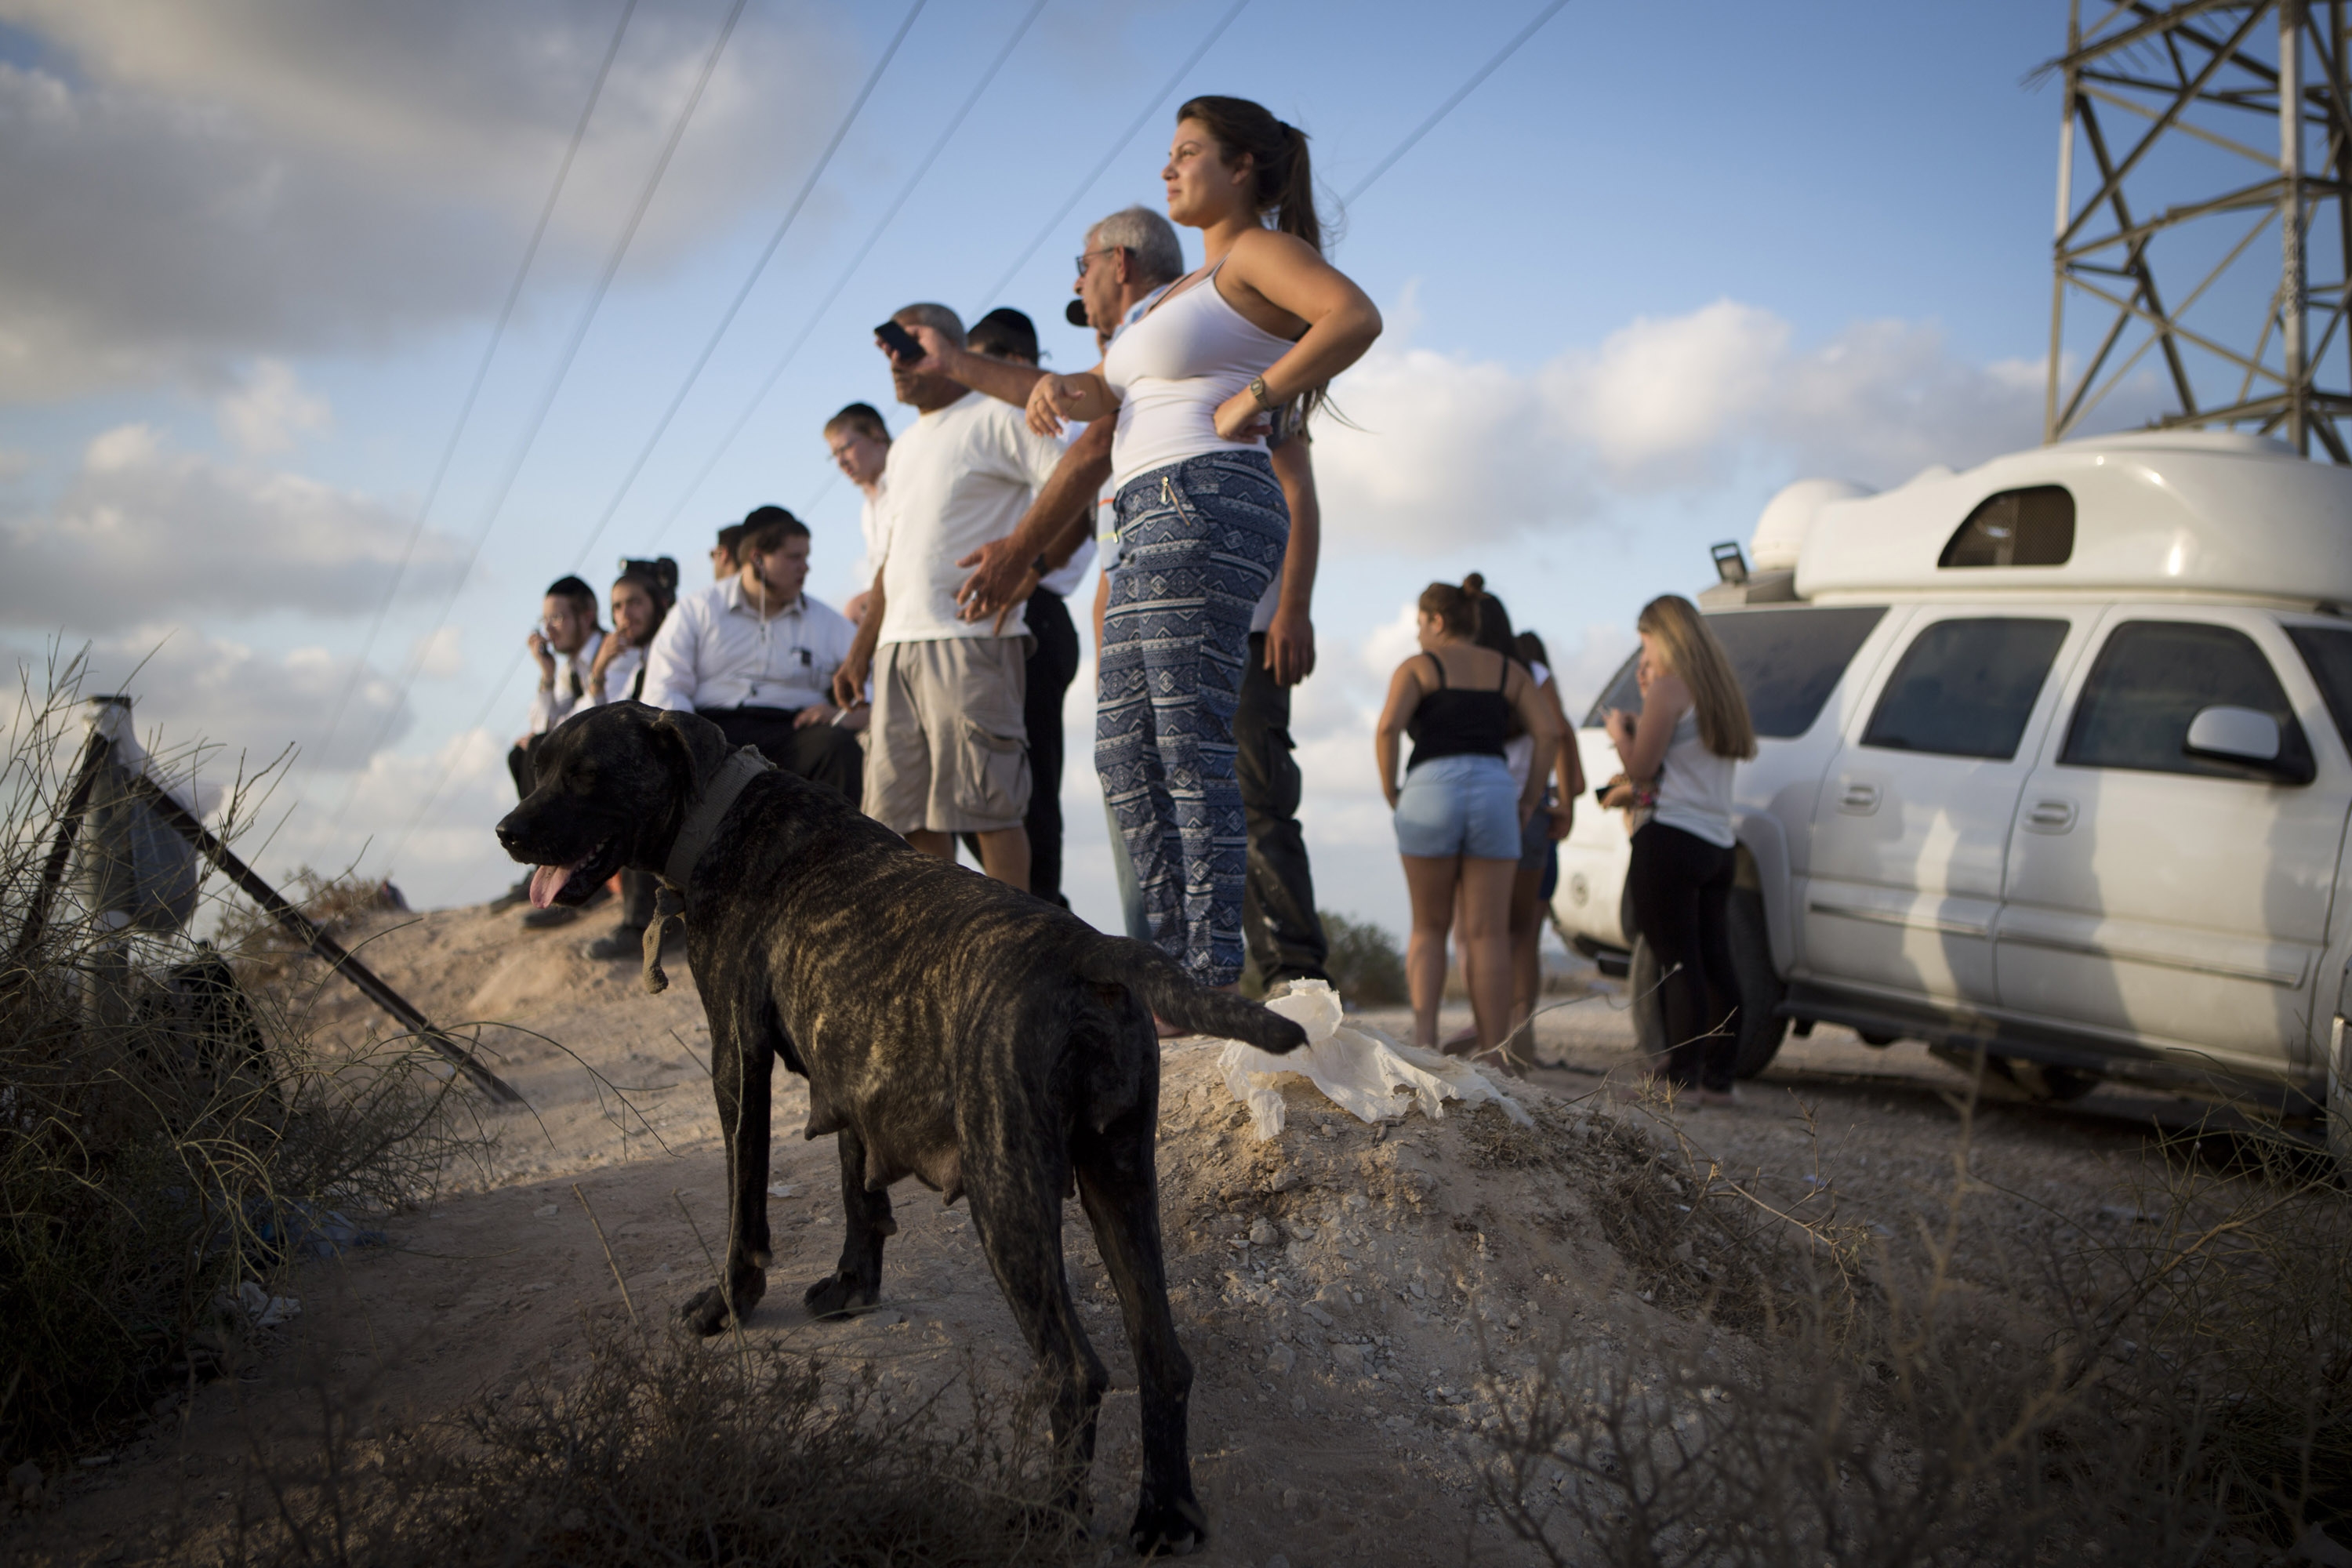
1663,261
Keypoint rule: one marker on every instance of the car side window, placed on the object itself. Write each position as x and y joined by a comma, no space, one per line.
1966,687
2327,654
1788,662
2151,679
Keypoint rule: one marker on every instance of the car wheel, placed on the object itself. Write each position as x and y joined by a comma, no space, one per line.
1761,1029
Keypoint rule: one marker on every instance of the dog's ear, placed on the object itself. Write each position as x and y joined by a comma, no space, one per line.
698,746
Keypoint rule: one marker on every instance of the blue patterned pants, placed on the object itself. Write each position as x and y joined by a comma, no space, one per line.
1199,541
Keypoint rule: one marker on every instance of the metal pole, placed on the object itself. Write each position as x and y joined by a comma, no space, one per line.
2292,305
319,941
2065,213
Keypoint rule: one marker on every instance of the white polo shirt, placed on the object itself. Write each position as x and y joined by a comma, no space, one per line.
716,650
551,706
960,477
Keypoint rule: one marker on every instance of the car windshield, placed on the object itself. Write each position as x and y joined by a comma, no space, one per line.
1788,661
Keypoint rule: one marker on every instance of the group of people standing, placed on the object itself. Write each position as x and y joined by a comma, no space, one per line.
934,698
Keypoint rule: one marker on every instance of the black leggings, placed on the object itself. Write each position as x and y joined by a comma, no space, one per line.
1681,886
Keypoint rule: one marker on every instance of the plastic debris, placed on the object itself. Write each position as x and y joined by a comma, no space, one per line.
290,1228
1357,1067
266,1310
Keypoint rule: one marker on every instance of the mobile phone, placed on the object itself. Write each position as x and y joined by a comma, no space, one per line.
899,342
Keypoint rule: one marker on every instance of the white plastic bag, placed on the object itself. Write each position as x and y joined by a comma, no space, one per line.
1358,1069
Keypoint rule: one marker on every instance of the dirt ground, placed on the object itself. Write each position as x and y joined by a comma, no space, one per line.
1341,1288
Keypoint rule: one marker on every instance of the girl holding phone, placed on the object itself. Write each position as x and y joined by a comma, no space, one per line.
1692,731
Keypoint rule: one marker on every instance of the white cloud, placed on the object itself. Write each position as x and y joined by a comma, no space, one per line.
440,652
245,706
192,182
1453,451
270,408
146,533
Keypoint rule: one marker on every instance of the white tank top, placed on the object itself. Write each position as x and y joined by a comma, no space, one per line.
1695,786
1172,369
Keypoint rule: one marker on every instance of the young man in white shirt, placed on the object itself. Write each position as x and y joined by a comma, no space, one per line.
860,444
756,657
949,751
564,646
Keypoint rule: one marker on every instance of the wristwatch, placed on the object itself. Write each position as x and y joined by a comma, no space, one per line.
1257,390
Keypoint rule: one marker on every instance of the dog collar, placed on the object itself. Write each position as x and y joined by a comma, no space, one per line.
708,809
702,820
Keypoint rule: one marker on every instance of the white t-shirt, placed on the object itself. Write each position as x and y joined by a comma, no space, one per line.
960,477
874,529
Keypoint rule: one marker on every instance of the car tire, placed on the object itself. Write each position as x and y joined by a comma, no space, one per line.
1761,1028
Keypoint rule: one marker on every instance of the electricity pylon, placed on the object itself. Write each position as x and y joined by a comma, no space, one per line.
2225,122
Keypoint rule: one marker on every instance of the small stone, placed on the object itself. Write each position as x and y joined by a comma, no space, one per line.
545,1211
1289,1497
1299,1404
1318,1314
1263,1234
1281,1359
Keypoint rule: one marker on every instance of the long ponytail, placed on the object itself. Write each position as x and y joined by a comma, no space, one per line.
1283,176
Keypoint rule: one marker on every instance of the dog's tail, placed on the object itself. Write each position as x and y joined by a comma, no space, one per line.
1174,995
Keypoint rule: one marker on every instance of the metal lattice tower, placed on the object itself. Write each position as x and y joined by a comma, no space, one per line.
2225,119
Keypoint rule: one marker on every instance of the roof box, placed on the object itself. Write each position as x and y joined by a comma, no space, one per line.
2180,512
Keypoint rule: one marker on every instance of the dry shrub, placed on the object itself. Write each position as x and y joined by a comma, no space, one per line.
1364,962
167,1135
2174,1394
670,1451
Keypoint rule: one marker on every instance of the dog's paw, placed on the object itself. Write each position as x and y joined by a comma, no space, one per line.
707,1314
837,1293
1168,1528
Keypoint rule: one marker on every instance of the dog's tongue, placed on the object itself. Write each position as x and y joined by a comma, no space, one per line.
548,881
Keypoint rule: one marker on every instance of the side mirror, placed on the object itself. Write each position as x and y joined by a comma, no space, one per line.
2245,737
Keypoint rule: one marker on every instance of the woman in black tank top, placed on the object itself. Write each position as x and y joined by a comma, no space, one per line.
1458,813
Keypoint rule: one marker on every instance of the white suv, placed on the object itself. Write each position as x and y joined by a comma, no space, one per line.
2052,765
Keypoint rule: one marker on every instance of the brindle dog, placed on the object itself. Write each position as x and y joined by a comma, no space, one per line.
950,1029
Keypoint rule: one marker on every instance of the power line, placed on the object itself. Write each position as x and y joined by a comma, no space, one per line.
498,689
555,383
481,373
1465,90
1151,108
850,272
824,159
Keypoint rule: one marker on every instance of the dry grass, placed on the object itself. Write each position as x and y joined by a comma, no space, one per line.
666,1450
167,1135
2180,1392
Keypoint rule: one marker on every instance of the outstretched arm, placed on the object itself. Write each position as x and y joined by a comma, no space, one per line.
1000,379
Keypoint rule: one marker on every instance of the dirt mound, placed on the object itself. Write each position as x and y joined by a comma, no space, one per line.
1341,1289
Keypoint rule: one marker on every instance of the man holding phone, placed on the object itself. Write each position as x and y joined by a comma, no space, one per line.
949,751
755,656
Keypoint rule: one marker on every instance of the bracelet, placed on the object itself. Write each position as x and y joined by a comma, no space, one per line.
1257,390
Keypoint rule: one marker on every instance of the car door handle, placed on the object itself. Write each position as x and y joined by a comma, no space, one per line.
1861,799
2051,816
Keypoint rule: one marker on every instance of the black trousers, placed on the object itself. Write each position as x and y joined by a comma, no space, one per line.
1053,664
1284,933
1681,886
821,753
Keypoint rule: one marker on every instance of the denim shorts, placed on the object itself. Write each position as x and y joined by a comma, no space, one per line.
1464,805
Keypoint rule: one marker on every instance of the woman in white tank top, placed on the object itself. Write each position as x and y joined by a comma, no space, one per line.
1194,386
1690,736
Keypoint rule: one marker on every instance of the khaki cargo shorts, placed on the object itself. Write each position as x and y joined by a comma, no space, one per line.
948,750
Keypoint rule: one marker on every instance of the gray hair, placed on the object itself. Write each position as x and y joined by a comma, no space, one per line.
1150,237
938,318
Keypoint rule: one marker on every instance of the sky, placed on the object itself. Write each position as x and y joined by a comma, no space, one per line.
1664,260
